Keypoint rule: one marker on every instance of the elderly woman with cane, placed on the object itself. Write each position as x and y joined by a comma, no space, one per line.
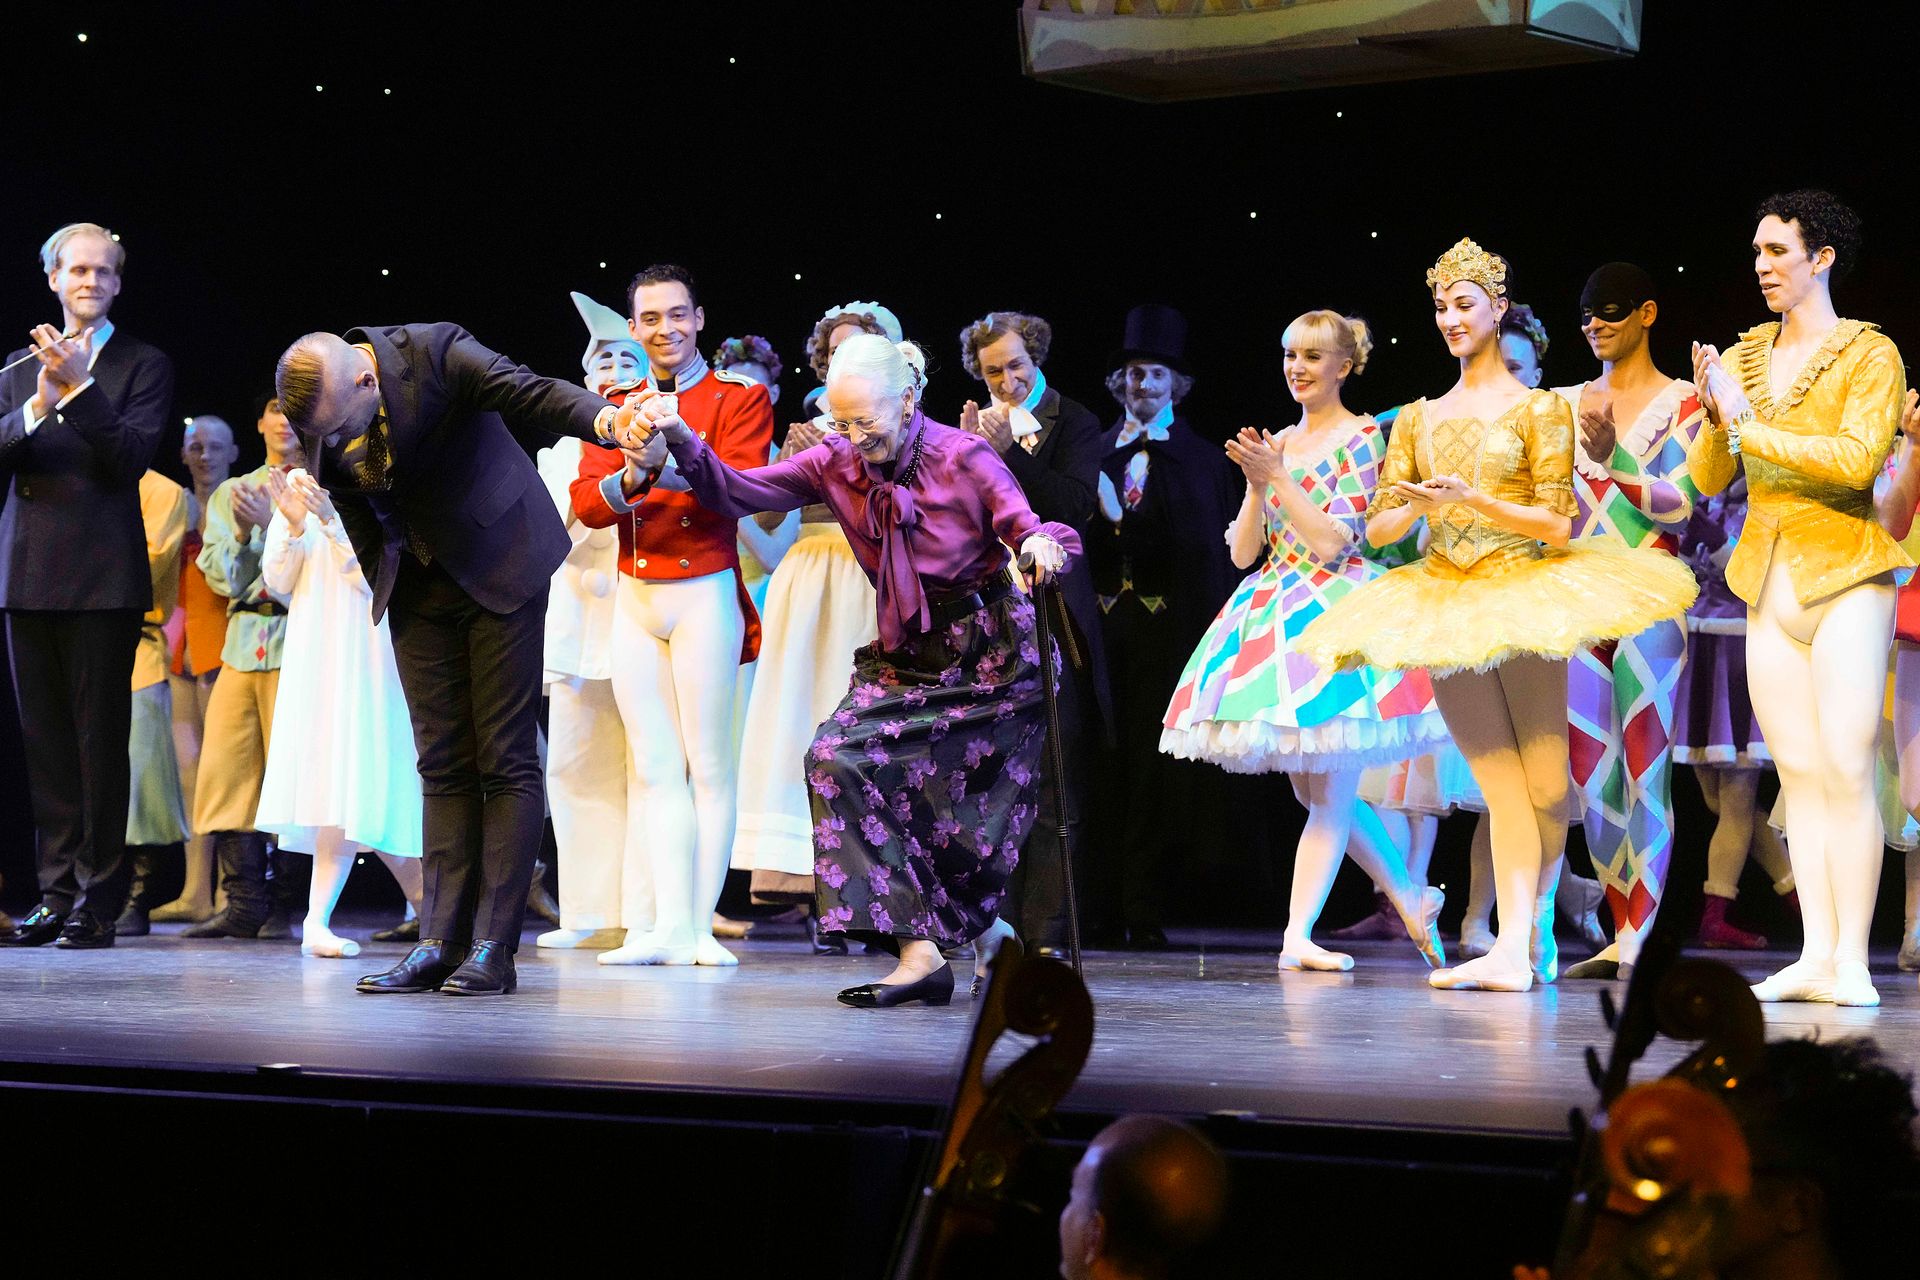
923,781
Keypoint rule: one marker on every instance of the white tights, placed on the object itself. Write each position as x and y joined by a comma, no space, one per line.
1337,826
677,647
333,858
1817,674
1511,725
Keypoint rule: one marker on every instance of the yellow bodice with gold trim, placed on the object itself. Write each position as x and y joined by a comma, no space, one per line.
1523,456
1811,458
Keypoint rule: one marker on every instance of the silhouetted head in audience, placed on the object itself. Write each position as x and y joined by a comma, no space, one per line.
1148,1192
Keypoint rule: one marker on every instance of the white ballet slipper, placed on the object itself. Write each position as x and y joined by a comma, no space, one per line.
1484,974
1798,983
326,944
1313,958
707,950
1853,986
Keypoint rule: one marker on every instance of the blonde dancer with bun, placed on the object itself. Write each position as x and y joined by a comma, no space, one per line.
1498,603
1244,705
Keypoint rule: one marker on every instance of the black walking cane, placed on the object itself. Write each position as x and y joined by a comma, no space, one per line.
1046,598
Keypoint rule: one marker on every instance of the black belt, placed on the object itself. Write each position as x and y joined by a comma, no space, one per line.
270,608
950,609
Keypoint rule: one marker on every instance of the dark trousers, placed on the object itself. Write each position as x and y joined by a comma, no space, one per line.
472,679
73,683
1037,894
1140,795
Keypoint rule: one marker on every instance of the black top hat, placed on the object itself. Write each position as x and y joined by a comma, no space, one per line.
1154,332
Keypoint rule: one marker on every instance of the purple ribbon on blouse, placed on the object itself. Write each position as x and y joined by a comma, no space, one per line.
891,516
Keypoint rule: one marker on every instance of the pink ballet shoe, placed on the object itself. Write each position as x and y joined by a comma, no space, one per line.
1424,928
1315,959
1382,926
1717,932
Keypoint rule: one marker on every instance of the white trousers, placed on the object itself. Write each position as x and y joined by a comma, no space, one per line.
605,882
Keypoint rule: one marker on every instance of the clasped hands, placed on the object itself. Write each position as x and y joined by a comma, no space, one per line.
642,431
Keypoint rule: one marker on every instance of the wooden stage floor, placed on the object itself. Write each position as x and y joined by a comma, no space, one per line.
1194,1031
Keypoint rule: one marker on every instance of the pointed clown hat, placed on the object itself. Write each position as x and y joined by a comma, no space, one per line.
604,326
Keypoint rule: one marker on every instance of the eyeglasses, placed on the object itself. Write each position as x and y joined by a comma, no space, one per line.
865,426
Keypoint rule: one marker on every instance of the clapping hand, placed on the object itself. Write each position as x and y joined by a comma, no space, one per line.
292,504
1719,393
308,490
64,363
1258,456
1597,431
992,424
252,507
803,435
1910,418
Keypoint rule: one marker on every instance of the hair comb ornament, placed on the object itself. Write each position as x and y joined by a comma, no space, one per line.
1468,261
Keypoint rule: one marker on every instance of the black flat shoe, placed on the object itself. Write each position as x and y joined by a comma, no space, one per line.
935,988
133,922
825,944
1594,970
488,971
424,969
84,932
37,929
405,931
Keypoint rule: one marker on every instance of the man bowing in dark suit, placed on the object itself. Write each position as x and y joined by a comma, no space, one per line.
1053,447
79,420
412,429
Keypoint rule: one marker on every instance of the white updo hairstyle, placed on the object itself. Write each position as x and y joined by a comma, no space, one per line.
894,368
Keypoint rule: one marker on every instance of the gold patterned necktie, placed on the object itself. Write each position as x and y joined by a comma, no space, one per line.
370,458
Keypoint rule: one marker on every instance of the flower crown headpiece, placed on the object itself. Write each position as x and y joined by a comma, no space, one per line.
1468,261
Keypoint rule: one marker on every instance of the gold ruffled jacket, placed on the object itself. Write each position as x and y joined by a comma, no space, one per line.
1811,459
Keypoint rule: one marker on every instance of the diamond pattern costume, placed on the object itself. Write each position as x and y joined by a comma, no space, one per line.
1247,701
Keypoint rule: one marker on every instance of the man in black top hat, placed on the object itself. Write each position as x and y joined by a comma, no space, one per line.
1159,564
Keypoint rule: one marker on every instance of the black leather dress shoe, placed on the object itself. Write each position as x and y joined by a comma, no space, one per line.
425,968
1146,937
935,988
1051,951
487,972
84,932
405,931
39,928
133,922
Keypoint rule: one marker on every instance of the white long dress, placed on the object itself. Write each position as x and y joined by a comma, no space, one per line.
819,609
342,753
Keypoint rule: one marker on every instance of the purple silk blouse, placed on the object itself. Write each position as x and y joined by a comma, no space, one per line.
940,535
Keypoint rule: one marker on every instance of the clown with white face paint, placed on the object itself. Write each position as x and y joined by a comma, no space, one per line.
1808,408
605,887
682,625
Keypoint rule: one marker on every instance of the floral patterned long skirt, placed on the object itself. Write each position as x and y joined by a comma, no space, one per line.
922,782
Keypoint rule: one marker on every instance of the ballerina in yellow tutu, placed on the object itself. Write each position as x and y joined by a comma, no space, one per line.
1489,611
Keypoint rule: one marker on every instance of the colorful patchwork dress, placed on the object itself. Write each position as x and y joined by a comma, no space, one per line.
1248,701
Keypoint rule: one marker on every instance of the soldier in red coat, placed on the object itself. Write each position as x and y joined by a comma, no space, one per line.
682,625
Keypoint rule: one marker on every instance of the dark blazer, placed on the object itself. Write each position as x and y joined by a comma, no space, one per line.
1061,478
70,532
460,480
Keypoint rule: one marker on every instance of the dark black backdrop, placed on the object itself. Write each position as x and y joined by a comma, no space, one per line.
491,158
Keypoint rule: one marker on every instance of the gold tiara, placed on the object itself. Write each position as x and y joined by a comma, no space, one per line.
1468,261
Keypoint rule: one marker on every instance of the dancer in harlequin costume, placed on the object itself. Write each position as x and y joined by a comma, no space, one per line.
605,882
820,610
342,774
1630,481
682,625
1491,612
924,779
1716,731
1246,704
1808,408
1896,505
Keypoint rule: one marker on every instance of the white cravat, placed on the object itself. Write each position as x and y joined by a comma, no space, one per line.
1155,430
1020,419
